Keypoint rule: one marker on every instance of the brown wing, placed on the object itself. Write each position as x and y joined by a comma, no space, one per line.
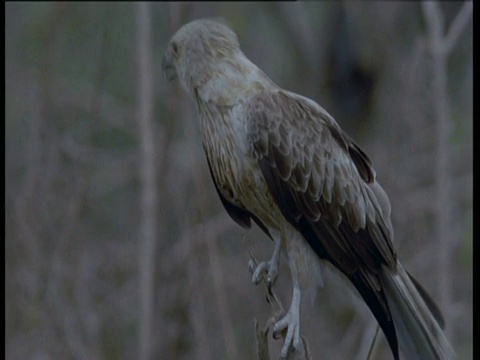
239,215
321,181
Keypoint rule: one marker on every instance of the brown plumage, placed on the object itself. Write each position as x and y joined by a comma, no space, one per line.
280,159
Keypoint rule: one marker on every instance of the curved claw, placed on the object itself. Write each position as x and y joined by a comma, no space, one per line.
291,323
270,266
271,270
259,270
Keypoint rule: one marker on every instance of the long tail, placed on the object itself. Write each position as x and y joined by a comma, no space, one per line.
416,317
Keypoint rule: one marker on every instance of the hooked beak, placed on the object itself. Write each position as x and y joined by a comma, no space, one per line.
168,68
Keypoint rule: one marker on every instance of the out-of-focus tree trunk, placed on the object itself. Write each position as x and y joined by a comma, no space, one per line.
440,45
148,176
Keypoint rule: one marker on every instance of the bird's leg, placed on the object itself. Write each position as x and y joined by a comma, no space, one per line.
270,266
290,322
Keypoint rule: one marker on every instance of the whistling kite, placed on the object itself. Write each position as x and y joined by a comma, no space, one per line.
280,159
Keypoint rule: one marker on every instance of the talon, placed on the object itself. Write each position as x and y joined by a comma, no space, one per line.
257,274
276,335
270,268
292,338
291,323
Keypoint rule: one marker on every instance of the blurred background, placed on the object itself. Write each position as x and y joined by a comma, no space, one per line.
116,244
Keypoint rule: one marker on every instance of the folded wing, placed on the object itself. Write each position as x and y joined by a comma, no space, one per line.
322,182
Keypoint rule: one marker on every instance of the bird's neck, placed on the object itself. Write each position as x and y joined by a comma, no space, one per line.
230,82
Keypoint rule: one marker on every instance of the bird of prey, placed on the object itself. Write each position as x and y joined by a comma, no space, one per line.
281,160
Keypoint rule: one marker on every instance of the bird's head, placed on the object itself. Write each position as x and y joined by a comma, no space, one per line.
198,50
205,56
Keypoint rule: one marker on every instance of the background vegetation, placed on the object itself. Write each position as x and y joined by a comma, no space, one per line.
116,244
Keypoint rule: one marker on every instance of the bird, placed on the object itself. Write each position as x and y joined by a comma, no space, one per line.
279,159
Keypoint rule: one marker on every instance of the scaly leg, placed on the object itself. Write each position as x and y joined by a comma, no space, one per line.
291,321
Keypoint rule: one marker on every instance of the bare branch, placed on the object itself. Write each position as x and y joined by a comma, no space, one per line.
435,24
148,175
458,24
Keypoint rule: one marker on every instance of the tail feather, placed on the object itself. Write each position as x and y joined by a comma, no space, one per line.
429,302
417,319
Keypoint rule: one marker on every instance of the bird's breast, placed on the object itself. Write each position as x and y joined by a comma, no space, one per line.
235,171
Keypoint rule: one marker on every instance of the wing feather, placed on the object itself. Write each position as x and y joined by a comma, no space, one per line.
321,181
320,165
239,214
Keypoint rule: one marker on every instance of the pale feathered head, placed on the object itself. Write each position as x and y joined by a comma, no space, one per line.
199,48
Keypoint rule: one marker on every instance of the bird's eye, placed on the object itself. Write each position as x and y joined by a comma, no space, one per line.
175,48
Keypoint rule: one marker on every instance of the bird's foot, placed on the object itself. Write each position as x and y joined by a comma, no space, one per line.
269,268
291,324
